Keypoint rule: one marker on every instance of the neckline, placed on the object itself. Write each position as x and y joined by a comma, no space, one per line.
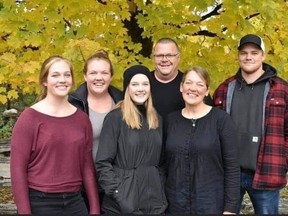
193,121
196,118
53,116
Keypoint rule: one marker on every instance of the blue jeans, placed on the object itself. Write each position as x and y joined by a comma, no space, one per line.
263,201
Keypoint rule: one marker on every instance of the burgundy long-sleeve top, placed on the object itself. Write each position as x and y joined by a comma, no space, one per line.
52,154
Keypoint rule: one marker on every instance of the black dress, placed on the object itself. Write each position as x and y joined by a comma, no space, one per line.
202,166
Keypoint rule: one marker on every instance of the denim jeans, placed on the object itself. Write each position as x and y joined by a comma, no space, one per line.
263,201
57,203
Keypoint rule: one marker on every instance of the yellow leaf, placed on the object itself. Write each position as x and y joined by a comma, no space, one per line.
3,99
7,58
12,94
2,90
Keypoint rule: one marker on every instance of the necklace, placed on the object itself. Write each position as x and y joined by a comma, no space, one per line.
193,122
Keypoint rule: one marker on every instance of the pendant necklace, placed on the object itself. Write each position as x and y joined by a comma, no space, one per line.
193,122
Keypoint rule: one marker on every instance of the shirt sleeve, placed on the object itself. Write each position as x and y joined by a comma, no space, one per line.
21,148
229,145
286,129
106,153
89,175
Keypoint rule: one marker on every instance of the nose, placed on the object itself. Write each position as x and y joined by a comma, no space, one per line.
98,76
248,56
140,88
62,78
192,86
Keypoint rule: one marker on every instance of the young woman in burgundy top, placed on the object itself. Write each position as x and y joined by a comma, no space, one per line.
51,155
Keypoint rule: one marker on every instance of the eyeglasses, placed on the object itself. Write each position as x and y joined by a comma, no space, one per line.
168,56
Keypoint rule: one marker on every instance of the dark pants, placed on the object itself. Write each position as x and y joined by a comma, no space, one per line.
57,203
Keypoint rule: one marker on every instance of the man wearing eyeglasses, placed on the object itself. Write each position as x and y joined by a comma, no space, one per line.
166,78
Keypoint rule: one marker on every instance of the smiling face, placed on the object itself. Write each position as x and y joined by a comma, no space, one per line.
250,59
98,76
59,79
166,60
194,88
139,89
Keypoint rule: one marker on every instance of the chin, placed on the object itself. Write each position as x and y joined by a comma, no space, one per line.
139,102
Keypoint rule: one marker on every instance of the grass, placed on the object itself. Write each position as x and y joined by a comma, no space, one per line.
6,195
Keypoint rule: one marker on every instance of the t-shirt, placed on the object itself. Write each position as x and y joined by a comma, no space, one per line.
167,96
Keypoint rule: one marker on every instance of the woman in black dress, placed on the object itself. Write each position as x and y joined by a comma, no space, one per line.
201,153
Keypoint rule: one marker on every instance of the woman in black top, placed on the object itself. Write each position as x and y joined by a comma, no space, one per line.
201,153
129,152
96,96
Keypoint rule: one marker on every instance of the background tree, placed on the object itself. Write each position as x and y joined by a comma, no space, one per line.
207,31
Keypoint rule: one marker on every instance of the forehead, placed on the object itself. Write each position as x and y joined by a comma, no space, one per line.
249,47
98,64
168,47
193,76
139,78
59,66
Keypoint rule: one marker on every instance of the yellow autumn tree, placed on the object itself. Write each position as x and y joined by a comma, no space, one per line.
207,32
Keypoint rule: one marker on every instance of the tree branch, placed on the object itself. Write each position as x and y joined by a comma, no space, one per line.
205,33
214,12
82,55
4,37
67,22
102,2
33,48
251,16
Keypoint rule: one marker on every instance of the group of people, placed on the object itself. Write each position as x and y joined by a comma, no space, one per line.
163,145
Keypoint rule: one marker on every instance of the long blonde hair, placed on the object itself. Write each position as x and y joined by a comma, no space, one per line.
132,116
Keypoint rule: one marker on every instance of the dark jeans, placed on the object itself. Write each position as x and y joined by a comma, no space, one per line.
57,203
264,201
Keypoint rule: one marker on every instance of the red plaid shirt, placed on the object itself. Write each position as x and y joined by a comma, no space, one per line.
270,173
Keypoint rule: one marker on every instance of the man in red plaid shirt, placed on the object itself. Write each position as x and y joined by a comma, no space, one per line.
257,100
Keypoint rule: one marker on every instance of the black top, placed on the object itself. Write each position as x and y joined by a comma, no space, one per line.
201,164
79,97
127,167
167,97
247,110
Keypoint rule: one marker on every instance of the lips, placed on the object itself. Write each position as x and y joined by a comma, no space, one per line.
98,84
192,95
140,95
62,87
165,65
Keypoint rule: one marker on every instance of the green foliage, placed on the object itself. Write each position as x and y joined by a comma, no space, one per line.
6,127
207,31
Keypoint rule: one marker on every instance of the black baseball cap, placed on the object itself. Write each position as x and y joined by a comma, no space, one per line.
254,39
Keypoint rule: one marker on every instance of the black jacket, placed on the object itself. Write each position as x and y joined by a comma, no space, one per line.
79,97
127,167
